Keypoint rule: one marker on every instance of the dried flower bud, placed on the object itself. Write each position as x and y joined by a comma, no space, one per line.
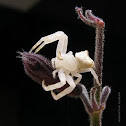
93,98
85,99
39,68
89,18
105,93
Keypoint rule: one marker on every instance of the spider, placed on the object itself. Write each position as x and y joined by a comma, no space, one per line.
66,65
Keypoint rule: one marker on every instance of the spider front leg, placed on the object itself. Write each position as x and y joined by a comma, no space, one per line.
79,77
68,90
92,72
62,43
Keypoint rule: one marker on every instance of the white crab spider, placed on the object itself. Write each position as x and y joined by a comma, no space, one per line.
65,64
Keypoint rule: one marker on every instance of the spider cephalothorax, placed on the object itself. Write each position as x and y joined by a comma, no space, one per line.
66,65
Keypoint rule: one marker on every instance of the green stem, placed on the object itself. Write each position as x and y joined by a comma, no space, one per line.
95,119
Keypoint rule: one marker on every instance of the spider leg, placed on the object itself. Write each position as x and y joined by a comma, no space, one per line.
62,82
54,73
62,44
68,90
79,77
92,72
53,62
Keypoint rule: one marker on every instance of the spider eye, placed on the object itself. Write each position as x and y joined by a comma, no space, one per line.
82,56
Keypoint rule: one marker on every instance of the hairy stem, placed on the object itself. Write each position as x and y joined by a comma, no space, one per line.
95,119
98,56
98,24
98,59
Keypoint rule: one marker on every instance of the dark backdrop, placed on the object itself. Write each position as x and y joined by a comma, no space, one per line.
22,101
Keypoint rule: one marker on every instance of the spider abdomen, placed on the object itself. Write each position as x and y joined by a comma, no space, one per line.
67,62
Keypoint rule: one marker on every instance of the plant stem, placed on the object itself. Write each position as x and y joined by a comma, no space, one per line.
98,56
95,119
98,24
98,59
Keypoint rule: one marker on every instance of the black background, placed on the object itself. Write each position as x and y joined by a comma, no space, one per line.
22,101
